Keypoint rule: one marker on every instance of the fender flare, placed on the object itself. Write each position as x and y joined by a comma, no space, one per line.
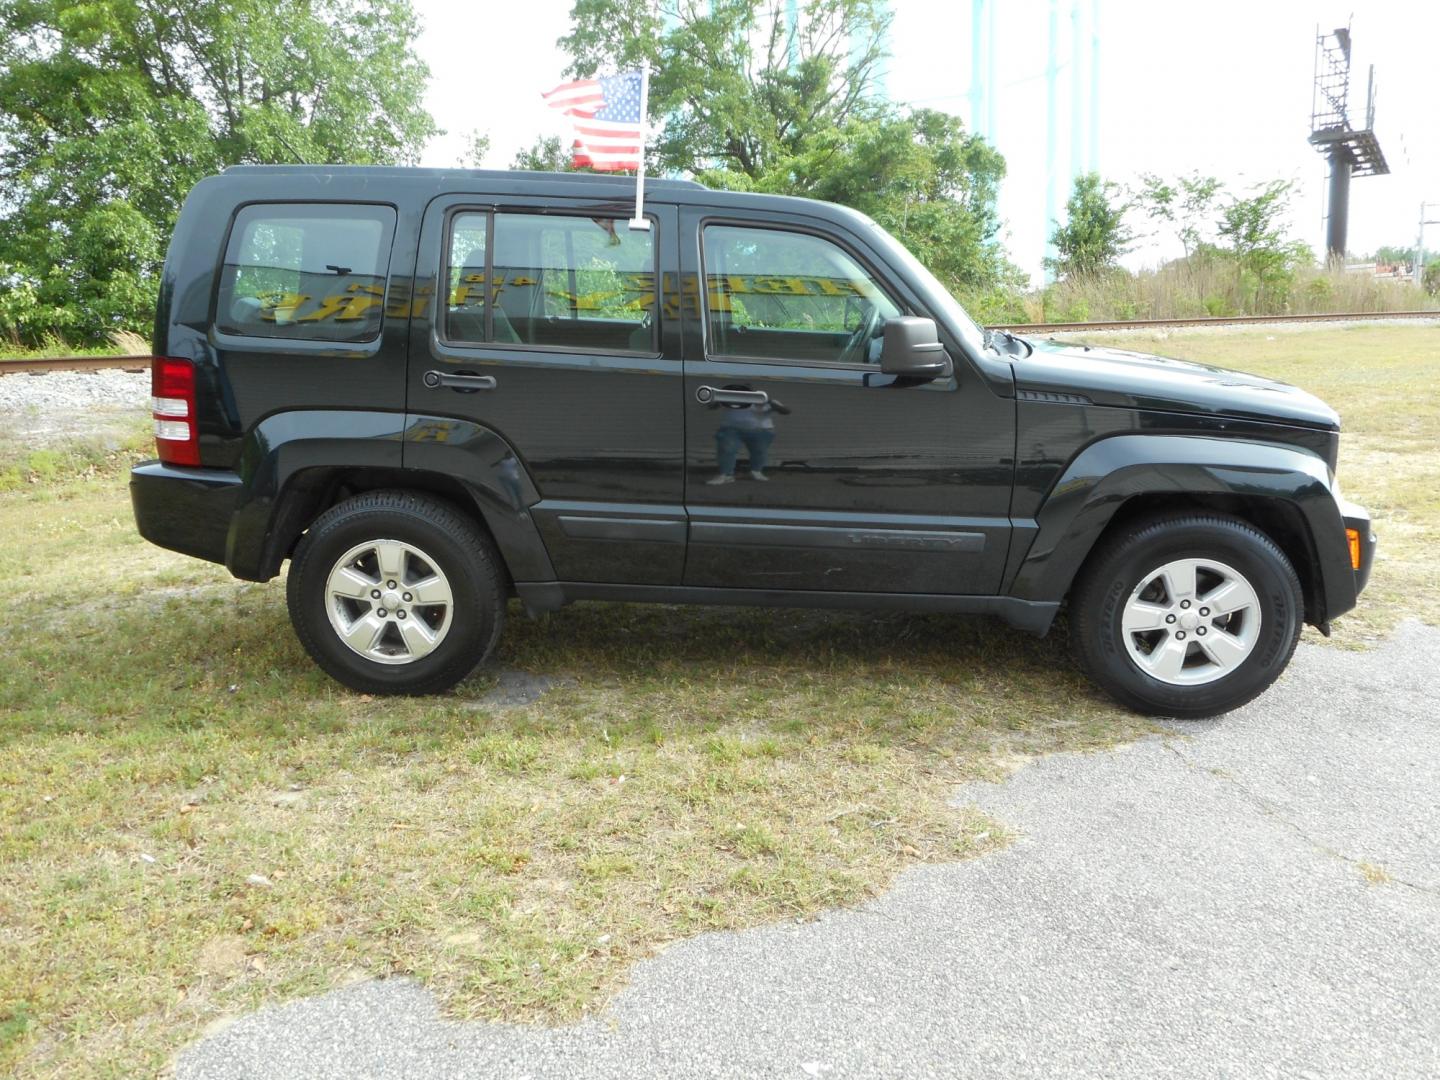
1110,472
272,506
489,468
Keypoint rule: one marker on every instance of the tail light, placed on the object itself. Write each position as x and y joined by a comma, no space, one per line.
172,402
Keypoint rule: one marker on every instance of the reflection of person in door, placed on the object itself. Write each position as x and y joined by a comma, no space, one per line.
750,426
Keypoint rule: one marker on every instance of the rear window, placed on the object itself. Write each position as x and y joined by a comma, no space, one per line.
306,271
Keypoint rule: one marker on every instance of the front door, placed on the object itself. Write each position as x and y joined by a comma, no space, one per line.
545,328
806,468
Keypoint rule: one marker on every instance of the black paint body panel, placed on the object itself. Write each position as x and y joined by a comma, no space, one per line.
185,510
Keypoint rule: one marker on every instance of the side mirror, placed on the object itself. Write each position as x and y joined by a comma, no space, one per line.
912,348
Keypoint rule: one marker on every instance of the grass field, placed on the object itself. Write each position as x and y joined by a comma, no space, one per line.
194,821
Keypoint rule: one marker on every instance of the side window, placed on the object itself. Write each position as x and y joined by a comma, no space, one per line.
562,281
790,296
465,276
315,272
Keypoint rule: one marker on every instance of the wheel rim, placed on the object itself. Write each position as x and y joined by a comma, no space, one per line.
389,601
1191,621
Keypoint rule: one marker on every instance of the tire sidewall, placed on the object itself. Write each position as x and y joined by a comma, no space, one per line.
1250,555
472,619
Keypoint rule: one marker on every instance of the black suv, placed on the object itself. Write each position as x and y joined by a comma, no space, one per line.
432,390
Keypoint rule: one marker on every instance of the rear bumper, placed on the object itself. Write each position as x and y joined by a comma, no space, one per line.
183,509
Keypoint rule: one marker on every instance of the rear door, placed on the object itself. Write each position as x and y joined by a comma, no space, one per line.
544,326
806,467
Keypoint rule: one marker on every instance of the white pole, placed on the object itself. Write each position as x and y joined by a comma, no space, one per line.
639,221
1417,271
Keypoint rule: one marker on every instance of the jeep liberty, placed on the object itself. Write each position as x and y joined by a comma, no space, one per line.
434,390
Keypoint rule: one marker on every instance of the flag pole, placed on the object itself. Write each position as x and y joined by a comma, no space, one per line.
639,221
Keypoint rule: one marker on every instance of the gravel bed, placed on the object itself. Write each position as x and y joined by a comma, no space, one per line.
65,406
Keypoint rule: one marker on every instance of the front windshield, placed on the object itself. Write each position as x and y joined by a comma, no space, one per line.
950,310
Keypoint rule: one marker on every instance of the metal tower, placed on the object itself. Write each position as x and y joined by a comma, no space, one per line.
1351,151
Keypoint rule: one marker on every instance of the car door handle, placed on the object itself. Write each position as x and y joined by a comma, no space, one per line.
708,394
458,381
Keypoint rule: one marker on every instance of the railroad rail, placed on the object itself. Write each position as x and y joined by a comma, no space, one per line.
41,365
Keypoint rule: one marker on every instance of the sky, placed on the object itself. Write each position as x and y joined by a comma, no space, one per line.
1223,88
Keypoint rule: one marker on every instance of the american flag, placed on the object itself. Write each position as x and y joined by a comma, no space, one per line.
606,112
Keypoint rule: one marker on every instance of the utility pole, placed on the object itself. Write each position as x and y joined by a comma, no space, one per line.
1418,270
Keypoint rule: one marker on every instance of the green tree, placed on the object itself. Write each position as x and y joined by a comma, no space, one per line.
1395,255
1186,205
922,177
1252,230
1094,235
739,87
476,147
1430,278
111,110
548,154
744,98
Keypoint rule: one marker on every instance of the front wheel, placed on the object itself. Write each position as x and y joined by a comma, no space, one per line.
396,593
1187,616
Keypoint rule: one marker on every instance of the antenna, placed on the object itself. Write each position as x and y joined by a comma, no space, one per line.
294,153
1352,151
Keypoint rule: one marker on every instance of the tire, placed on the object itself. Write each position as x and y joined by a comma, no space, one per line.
445,610
1136,626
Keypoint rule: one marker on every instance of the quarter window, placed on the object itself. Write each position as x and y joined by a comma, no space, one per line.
790,296
465,309
562,281
307,271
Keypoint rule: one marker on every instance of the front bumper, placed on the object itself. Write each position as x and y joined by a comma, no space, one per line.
1358,518
184,509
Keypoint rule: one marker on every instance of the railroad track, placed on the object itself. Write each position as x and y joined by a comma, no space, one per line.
1232,320
41,365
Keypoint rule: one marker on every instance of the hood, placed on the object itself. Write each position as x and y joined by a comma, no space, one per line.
1132,380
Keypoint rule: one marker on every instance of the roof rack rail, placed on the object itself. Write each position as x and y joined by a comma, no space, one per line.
598,179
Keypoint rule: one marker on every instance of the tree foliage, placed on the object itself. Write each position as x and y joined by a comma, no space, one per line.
477,145
111,110
740,87
921,177
1249,230
1186,205
548,154
1253,231
1094,235
744,98
1395,255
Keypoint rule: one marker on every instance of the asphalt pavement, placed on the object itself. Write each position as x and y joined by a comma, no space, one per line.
1253,897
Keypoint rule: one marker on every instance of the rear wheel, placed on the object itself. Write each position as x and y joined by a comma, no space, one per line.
1187,616
396,593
